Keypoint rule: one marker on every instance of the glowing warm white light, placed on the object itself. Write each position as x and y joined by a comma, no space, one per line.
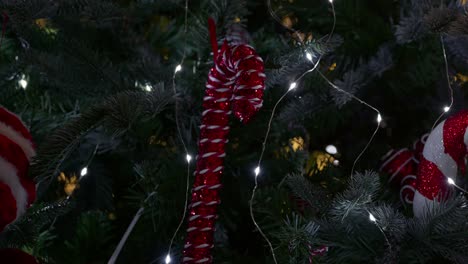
148,87
309,56
446,109
336,162
372,218
379,118
188,157
257,171
168,259
178,68
451,181
84,171
292,86
22,82
331,149
331,1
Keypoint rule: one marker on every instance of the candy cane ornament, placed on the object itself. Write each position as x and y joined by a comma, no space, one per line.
443,155
235,84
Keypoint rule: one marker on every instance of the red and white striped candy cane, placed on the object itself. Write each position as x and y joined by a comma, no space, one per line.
235,84
443,155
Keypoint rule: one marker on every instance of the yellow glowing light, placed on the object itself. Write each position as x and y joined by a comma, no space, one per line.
70,183
287,21
44,24
41,22
297,143
460,77
332,67
318,161
112,216
154,140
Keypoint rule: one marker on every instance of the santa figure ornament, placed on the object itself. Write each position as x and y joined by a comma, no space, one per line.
17,190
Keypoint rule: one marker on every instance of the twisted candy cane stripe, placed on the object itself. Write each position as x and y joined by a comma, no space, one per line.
235,84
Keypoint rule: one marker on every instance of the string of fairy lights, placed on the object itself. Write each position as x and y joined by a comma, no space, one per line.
447,108
188,157
292,86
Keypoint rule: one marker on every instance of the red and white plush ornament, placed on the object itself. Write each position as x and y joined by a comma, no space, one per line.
402,166
235,85
17,191
443,156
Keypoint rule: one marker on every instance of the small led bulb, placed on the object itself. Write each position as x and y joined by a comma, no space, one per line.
178,68
379,118
331,149
372,218
292,86
309,56
257,171
188,157
148,87
22,82
451,181
446,109
84,171
168,259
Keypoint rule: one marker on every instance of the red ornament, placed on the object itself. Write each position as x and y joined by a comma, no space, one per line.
17,190
16,256
402,166
320,251
235,84
444,154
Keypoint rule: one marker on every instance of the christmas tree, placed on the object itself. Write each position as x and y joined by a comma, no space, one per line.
134,110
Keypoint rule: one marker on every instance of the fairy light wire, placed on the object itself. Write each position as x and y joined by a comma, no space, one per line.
181,138
375,221
292,86
446,108
379,117
334,20
252,215
185,207
451,181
